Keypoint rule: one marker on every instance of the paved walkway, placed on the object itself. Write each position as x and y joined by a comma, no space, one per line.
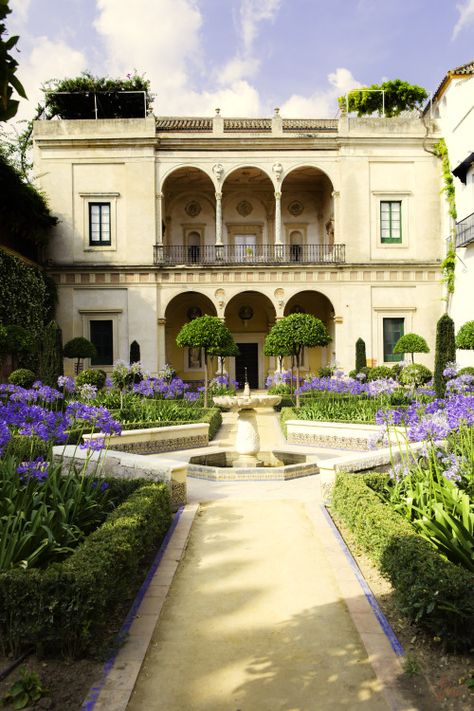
263,613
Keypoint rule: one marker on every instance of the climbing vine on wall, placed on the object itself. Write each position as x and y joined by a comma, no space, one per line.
25,295
448,265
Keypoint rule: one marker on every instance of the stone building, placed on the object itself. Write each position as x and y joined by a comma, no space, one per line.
162,219
453,107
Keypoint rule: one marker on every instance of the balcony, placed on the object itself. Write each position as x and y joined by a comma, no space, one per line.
465,231
254,255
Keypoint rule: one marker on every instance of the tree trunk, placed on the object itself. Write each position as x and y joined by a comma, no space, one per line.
205,378
298,379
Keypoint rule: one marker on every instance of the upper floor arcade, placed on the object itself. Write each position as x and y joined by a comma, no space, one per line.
174,192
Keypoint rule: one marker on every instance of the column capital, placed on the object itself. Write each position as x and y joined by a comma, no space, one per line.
277,194
161,321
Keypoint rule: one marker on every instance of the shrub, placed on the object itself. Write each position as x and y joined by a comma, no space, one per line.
51,355
415,374
79,348
92,376
445,352
22,377
327,371
465,337
380,371
468,370
411,343
68,606
431,591
396,370
360,355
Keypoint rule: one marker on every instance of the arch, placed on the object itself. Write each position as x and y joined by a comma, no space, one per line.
182,166
249,316
245,166
180,309
307,166
317,304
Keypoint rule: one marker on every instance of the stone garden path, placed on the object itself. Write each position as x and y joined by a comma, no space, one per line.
256,608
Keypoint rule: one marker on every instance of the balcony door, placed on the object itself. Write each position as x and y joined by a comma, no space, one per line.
245,247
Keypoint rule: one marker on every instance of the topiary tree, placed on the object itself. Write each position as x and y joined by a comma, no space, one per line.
293,333
465,337
134,352
208,333
92,376
398,96
51,355
360,355
227,350
274,347
411,343
79,348
445,351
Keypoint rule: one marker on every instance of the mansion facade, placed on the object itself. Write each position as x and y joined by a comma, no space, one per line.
164,219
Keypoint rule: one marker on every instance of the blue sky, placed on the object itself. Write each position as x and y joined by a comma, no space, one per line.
244,56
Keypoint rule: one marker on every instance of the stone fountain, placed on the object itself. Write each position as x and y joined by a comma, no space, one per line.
247,440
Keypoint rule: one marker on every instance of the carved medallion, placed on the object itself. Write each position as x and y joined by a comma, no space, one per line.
193,208
295,208
244,208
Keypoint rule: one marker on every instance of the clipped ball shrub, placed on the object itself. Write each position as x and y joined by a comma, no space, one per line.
465,337
415,374
468,370
92,376
79,348
22,377
326,371
380,371
396,370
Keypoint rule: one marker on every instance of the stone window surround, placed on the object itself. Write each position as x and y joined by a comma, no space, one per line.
99,314
234,229
99,197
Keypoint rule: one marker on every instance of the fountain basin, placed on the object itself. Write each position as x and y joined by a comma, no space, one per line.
275,465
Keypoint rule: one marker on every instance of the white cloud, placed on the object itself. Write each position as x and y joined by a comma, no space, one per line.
47,60
323,103
252,12
466,17
17,19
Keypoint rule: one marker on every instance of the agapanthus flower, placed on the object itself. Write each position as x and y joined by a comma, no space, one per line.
95,444
68,384
36,469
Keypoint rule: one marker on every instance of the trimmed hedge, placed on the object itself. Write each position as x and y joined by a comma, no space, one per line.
433,592
67,607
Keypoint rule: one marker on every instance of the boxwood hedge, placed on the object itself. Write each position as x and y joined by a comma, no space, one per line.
433,592
68,606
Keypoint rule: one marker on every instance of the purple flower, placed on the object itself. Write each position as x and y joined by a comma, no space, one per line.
93,445
5,435
36,469
67,383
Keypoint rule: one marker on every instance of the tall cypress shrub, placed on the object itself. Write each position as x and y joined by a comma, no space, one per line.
51,355
445,351
360,355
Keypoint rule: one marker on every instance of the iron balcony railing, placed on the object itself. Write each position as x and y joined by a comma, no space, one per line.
261,254
465,231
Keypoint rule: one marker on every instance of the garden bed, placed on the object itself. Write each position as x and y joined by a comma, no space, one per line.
66,607
433,592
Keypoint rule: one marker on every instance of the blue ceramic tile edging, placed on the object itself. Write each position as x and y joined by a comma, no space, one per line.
384,623
94,692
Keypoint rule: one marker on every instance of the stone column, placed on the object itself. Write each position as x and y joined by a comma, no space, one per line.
278,240
219,243
161,343
159,252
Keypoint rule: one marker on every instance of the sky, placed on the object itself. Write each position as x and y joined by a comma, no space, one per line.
245,57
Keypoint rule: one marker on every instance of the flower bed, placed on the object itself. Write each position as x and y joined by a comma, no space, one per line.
433,592
67,606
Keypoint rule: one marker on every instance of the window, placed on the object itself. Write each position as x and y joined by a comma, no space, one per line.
99,224
296,239
101,335
393,329
391,221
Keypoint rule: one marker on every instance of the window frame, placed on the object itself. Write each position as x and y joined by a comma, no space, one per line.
391,239
101,242
102,320
95,198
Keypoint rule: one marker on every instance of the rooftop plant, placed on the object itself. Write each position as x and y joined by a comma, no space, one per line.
390,98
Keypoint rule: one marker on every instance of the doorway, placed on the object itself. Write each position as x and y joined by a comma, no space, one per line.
248,358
